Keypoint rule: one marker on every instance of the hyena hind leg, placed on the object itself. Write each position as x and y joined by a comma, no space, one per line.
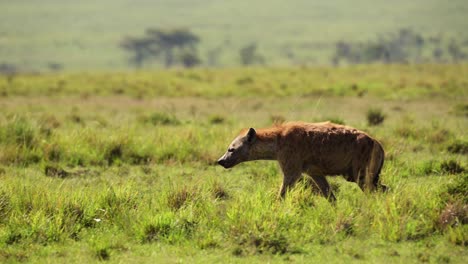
322,183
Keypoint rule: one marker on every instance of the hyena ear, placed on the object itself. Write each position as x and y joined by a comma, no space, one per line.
251,135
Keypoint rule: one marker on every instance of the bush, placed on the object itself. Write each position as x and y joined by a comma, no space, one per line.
452,167
102,254
458,147
161,118
216,119
375,116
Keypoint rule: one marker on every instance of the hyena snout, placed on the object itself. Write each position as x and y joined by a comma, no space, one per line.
223,162
226,163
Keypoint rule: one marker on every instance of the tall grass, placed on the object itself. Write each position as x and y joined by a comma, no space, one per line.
91,179
35,209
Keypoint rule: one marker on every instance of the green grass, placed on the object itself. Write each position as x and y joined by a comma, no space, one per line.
86,35
382,81
90,175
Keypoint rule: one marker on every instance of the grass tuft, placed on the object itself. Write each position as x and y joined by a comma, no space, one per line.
177,199
461,110
103,254
375,116
263,243
277,119
216,119
19,131
219,192
458,147
452,167
48,123
459,188
161,118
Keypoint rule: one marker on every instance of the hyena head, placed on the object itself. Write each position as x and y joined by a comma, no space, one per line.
239,150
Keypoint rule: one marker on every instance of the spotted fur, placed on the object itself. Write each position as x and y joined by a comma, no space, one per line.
317,149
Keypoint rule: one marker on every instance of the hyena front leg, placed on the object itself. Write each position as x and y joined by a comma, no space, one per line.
291,173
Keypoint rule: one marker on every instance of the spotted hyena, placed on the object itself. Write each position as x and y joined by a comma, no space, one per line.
317,149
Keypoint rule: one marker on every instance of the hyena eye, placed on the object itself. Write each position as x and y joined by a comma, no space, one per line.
230,150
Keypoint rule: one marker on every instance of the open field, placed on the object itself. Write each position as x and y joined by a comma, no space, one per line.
121,167
86,35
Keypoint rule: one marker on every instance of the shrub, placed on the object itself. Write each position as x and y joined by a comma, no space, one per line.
216,119
103,254
451,166
178,198
161,118
458,147
114,153
375,116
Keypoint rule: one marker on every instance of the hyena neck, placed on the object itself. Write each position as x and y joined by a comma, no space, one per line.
265,146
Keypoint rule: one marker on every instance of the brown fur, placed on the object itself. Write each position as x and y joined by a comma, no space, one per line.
317,149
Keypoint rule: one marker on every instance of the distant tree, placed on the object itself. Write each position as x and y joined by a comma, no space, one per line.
8,69
248,55
455,51
173,46
189,59
402,47
438,54
54,66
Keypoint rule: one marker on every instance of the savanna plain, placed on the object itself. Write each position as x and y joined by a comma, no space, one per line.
121,167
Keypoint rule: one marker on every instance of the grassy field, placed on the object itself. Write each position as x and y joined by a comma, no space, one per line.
86,35
121,167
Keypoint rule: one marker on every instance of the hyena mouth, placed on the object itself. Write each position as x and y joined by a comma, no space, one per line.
225,163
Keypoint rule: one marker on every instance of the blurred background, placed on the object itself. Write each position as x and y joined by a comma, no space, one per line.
59,35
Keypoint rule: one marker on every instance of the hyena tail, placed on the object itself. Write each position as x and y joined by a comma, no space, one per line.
376,164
